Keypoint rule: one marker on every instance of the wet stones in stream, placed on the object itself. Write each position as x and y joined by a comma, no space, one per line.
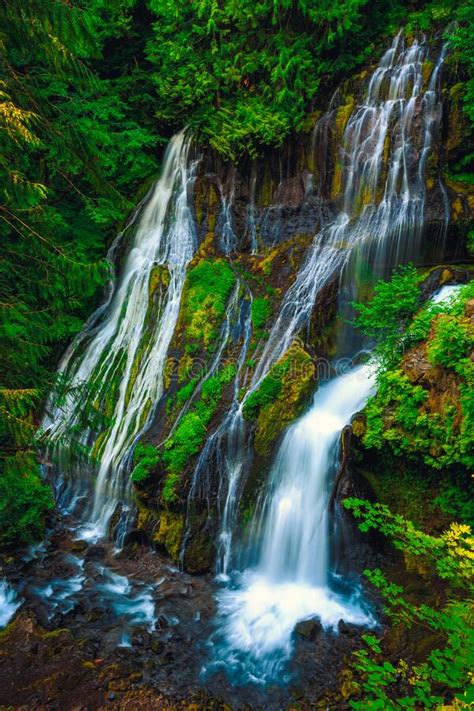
98,630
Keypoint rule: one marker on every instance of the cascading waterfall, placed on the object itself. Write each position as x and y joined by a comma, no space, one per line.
380,223
113,372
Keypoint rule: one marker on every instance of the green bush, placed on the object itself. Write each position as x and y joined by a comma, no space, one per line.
400,415
386,315
451,341
25,500
442,668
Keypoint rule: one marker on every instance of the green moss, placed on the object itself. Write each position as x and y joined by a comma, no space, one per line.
145,460
159,276
170,532
191,431
181,397
260,311
268,391
207,288
280,397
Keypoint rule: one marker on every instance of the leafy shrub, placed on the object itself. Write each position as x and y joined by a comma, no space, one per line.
444,670
385,317
24,500
401,414
450,342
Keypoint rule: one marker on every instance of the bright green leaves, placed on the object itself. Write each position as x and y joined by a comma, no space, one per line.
385,317
445,665
451,341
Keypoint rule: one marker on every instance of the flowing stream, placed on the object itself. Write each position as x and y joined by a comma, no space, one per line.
113,373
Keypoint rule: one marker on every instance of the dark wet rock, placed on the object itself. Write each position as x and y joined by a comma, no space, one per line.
349,630
95,552
308,629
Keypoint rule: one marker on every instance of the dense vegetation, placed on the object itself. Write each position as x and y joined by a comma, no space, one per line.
422,418
422,350
441,667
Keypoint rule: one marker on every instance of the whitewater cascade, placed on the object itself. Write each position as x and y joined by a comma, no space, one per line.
386,145
112,374
382,174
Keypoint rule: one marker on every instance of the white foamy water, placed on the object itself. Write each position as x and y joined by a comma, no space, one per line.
131,603
291,581
446,293
9,603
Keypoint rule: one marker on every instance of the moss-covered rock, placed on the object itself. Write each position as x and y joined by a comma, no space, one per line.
169,533
281,396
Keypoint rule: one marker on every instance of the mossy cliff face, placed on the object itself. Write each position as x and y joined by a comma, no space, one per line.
255,221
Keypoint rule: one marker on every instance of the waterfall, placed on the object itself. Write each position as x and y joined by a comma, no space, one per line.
112,376
385,147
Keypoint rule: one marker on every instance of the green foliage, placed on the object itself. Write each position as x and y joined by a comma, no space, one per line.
243,74
145,460
400,414
450,342
204,300
24,500
444,671
260,311
385,317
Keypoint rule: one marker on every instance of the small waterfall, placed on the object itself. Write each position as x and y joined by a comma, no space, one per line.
386,144
295,512
113,372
